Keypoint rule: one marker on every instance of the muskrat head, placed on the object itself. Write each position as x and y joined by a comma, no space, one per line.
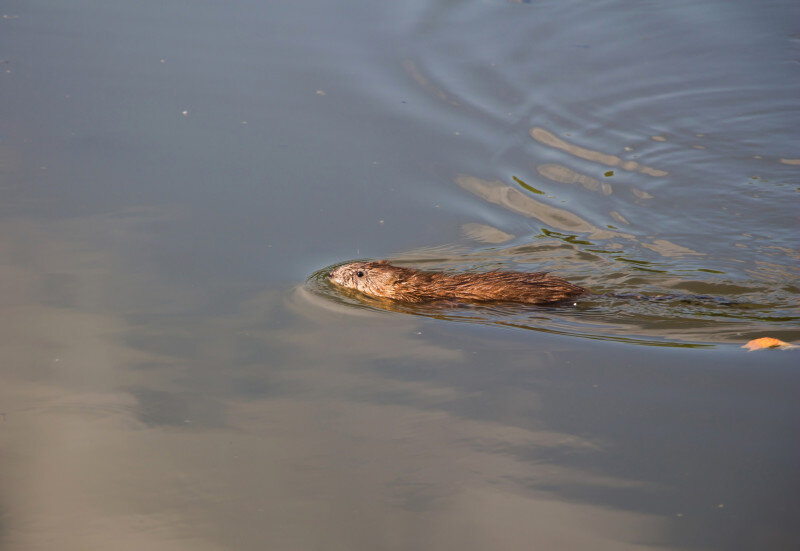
371,278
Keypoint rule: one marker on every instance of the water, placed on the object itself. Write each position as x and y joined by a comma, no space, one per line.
176,176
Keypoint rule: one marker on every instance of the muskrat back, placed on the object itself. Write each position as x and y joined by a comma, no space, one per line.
381,279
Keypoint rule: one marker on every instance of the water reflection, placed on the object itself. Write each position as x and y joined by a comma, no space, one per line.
565,175
548,138
485,234
176,430
500,194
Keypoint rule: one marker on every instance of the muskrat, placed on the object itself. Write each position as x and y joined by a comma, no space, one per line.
381,279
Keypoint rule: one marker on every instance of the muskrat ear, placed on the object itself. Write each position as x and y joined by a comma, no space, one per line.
382,262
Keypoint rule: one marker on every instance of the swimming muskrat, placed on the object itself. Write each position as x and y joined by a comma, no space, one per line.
381,279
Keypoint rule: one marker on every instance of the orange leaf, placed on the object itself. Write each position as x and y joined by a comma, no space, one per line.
767,342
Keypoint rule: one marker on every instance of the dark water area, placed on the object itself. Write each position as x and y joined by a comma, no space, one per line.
176,178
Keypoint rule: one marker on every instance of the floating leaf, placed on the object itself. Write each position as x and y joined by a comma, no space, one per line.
768,342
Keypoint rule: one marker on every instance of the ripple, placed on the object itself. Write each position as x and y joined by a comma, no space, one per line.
633,312
548,138
601,147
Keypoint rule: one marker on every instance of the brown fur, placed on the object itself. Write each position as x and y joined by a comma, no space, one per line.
381,279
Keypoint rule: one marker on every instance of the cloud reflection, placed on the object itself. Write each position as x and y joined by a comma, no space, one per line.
156,429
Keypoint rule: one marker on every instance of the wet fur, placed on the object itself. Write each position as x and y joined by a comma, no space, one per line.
381,279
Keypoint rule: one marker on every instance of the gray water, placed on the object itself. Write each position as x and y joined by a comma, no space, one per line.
175,177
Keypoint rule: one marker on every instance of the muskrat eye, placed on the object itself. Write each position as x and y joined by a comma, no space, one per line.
360,273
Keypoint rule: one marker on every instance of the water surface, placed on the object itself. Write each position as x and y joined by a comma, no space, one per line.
176,175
